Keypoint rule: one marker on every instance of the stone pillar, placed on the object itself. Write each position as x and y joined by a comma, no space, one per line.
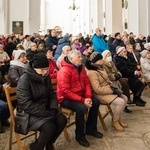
113,20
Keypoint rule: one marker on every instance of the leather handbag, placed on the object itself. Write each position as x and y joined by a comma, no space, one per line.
22,123
115,88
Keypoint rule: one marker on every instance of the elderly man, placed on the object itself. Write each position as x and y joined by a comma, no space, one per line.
65,50
74,92
98,41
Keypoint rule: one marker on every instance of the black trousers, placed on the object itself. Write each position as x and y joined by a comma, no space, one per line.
49,132
81,109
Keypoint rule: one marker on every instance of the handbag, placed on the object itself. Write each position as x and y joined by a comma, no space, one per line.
22,123
115,88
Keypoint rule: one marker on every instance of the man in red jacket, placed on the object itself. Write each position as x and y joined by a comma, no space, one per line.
74,92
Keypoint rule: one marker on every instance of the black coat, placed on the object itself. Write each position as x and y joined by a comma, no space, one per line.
124,66
30,54
36,97
127,71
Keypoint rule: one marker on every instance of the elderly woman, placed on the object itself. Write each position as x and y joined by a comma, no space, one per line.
115,76
102,90
128,70
145,63
17,67
37,98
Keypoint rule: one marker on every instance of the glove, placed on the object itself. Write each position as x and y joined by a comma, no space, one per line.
117,76
53,113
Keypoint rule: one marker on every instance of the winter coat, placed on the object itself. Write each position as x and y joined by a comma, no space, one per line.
9,48
99,44
73,83
111,71
61,43
50,41
36,97
101,88
53,69
15,71
145,65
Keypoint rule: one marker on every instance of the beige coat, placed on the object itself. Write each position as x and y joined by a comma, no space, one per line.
100,87
111,70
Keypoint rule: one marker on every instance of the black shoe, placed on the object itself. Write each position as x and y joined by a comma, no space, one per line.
84,142
5,123
142,101
138,103
95,134
127,110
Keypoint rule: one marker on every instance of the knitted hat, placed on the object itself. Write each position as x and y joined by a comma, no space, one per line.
95,56
119,50
17,54
146,45
144,53
40,61
104,53
82,49
74,38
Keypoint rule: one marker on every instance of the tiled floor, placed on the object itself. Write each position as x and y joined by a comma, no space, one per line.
135,137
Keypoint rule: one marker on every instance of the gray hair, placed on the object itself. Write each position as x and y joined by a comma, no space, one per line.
65,47
73,53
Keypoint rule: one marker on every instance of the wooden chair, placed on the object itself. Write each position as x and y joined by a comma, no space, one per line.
67,112
11,96
102,117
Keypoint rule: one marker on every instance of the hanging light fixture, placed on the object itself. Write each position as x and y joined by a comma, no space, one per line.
73,6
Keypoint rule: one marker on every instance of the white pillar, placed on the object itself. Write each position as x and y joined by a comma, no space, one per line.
113,15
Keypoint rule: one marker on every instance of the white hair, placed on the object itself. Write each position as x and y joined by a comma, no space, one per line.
73,53
65,47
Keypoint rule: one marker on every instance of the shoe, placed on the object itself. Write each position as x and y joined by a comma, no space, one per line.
5,123
117,126
127,110
123,124
1,129
84,142
95,134
138,103
142,101
36,146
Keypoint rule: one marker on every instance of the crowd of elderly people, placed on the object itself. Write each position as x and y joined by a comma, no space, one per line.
85,69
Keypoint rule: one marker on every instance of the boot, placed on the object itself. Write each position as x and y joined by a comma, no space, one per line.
123,124
117,126
1,129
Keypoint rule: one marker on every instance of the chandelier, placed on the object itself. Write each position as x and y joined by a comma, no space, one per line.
73,6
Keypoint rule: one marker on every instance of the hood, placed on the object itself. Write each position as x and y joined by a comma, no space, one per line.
17,63
63,40
33,74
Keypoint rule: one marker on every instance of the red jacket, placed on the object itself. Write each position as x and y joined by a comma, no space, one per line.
53,69
71,84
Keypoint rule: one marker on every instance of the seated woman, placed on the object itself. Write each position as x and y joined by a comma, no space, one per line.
115,76
102,90
145,63
17,67
53,69
37,98
128,70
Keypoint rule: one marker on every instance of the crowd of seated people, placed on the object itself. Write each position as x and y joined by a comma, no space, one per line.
77,62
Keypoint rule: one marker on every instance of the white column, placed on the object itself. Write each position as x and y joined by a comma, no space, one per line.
42,14
113,16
